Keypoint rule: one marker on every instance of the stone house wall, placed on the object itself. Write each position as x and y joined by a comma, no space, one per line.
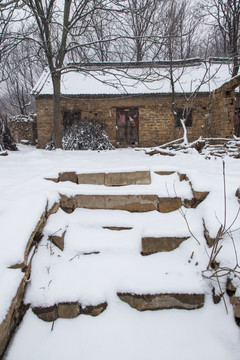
156,122
222,109
23,130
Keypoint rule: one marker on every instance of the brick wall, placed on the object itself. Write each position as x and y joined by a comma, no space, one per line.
222,108
23,130
156,122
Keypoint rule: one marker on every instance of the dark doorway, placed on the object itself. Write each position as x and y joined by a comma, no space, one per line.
236,120
70,117
127,125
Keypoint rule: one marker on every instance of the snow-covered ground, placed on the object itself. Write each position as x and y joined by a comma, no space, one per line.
120,331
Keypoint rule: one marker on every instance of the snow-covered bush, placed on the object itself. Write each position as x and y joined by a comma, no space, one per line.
6,140
83,135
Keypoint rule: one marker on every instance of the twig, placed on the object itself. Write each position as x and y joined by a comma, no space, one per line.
52,325
77,255
183,214
224,196
222,294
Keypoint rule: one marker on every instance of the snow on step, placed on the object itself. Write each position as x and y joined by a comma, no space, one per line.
71,276
168,191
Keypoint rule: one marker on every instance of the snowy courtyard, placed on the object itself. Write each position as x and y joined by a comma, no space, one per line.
103,257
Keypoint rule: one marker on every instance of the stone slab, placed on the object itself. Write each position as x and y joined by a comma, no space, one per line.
54,208
67,203
164,172
48,314
152,245
94,310
163,301
216,297
230,288
90,201
166,205
17,266
183,177
91,179
133,203
237,193
36,234
190,203
117,228
200,196
15,313
58,240
128,178
68,176
210,241
68,310
52,179
235,301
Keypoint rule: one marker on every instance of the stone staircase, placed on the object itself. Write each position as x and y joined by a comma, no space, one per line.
128,202
110,202
86,246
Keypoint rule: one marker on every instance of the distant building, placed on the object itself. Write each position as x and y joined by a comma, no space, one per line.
133,101
23,128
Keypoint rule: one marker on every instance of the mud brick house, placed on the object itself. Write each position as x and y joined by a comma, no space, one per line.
133,101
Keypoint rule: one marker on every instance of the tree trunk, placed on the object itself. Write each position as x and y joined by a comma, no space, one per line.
185,138
57,123
235,59
235,66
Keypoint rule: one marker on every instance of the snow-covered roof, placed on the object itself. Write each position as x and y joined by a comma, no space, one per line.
203,77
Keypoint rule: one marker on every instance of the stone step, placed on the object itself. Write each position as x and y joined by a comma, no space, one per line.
17,308
107,179
117,228
167,204
152,245
132,203
163,301
58,240
128,178
164,173
67,310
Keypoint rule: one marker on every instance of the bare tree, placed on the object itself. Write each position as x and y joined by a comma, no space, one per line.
60,29
224,17
100,27
180,30
141,29
7,42
22,67
56,32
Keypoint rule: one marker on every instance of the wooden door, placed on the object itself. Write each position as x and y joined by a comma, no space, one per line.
127,125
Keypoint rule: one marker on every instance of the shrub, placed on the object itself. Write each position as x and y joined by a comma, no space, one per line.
6,140
83,135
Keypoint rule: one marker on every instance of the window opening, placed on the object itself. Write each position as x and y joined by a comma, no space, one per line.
70,117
